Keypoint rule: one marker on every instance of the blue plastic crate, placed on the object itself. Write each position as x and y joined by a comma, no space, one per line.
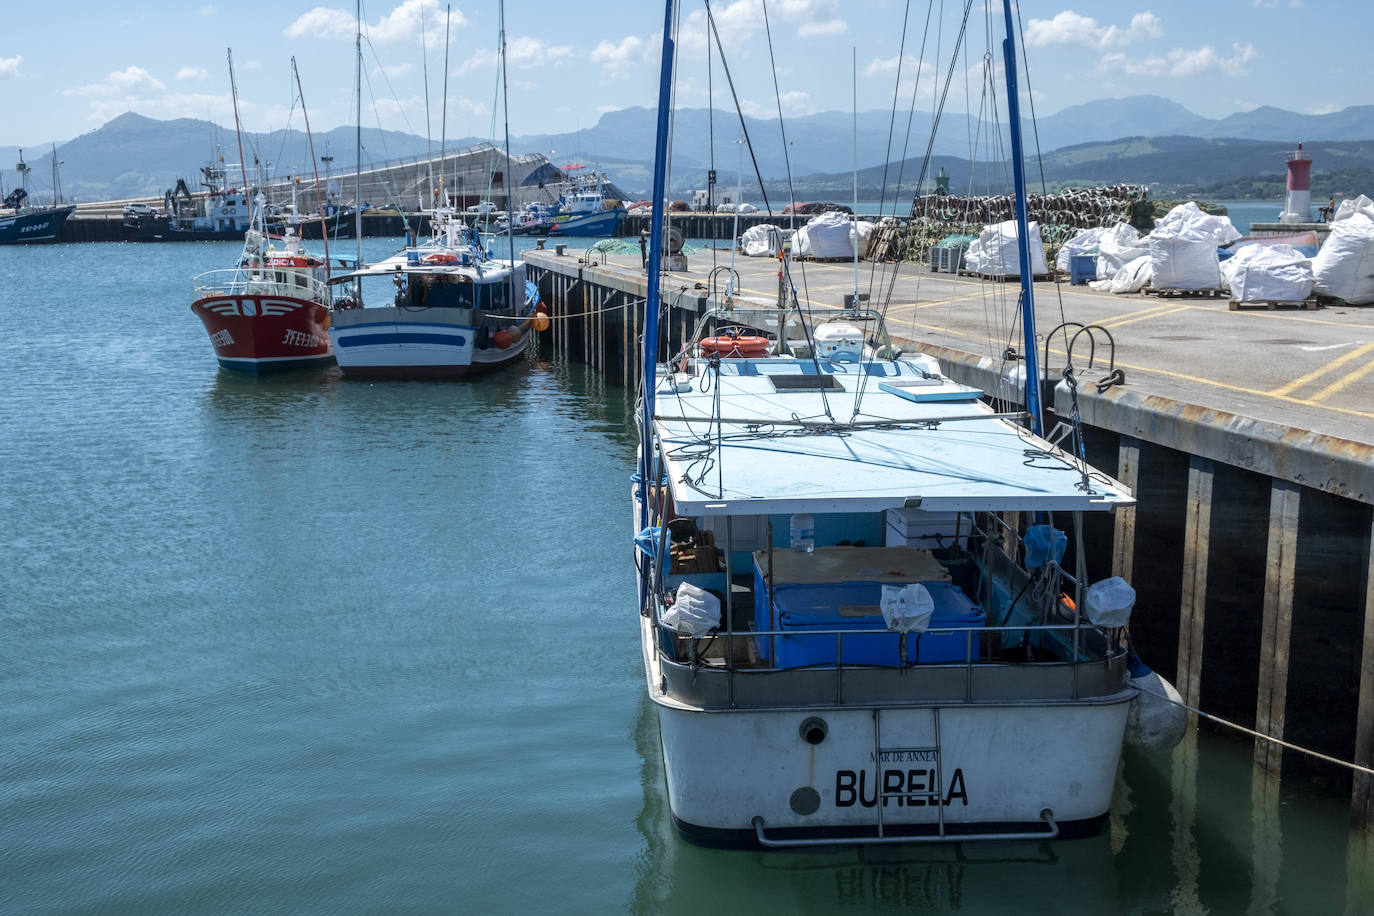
867,641
1082,268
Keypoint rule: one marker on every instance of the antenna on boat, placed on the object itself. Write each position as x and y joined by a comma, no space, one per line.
443,116
505,113
854,217
319,200
238,127
429,144
358,140
1018,171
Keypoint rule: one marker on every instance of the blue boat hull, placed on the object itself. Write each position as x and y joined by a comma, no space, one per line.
604,223
38,226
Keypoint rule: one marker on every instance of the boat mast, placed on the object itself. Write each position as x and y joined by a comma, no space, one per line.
238,127
649,369
319,200
1018,172
505,113
358,140
56,188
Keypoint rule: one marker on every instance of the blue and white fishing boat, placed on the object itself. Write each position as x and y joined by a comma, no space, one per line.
584,209
858,618
445,308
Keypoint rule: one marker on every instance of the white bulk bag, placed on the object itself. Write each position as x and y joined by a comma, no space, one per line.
1082,243
995,252
1133,277
762,241
1116,247
829,235
1259,273
1353,205
1344,267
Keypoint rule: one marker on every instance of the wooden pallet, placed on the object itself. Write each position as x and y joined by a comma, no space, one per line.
1310,304
995,278
1184,293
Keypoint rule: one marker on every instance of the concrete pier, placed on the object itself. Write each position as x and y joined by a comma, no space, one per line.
1248,437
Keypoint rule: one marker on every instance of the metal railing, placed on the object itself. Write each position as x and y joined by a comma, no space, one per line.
243,281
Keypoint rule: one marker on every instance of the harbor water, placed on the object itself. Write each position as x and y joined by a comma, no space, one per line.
306,645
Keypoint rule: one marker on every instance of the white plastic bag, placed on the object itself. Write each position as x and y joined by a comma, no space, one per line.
1260,273
1344,267
995,252
694,611
1108,603
907,608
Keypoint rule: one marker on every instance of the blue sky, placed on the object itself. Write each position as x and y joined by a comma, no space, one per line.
570,62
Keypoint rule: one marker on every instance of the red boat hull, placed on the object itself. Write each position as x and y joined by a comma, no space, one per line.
266,333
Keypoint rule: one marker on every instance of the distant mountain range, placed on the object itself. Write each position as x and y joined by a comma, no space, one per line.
1141,139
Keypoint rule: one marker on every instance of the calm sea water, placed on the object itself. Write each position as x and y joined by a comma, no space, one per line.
305,645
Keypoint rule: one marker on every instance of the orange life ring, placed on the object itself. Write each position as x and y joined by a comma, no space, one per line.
729,346
440,257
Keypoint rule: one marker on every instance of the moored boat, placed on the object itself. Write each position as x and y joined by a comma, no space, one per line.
859,618
447,309
585,210
20,223
271,312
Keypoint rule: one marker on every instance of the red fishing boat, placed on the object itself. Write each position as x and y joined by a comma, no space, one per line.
271,312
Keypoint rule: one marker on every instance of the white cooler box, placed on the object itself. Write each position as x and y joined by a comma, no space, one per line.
927,530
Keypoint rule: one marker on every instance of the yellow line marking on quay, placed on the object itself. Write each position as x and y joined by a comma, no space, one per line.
1315,374
1157,312
1305,402
1345,381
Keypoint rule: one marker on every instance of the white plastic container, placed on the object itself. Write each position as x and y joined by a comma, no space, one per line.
803,531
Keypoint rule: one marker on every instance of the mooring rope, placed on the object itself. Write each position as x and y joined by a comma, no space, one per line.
1270,738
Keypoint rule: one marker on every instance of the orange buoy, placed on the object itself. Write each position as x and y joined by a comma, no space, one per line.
502,339
542,308
440,257
731,346
541,321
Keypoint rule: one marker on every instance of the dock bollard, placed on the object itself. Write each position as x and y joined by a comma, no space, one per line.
559,249
539,244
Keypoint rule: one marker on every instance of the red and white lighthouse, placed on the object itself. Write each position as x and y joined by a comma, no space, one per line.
1298,207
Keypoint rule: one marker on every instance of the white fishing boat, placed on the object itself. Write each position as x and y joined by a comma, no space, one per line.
859,620
445,308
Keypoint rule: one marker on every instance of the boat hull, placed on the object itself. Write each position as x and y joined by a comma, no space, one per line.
604,223
393,343
261,334
39,226
991,770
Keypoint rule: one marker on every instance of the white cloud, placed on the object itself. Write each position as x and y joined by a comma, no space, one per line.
479,61
1265,4
394,70
9,66
1070,28
829,27
192,73
322,22
616,59
527,53
121,82
1329,108
888,66
404,23
793,103
250,65
1181,62
208,10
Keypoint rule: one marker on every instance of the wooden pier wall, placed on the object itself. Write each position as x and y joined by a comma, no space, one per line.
1251,549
